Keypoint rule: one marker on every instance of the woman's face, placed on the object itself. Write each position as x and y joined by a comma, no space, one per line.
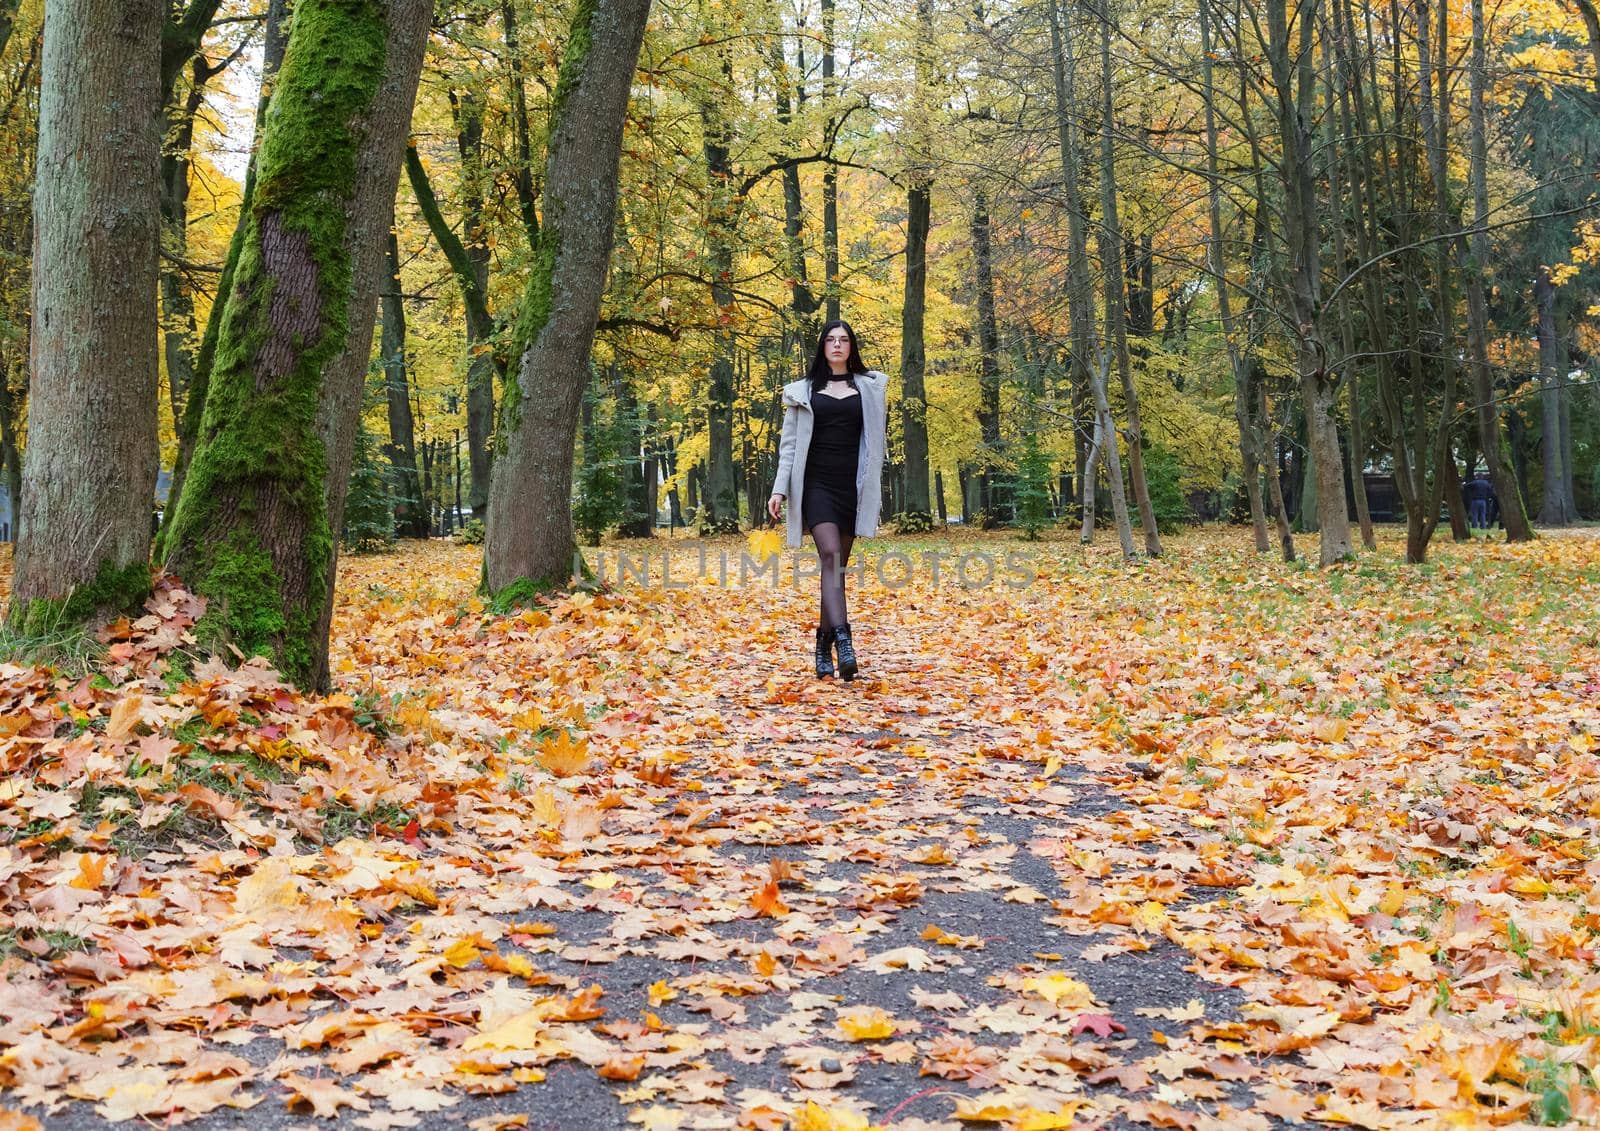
836,346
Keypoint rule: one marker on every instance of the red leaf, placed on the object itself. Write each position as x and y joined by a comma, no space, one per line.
1100,1024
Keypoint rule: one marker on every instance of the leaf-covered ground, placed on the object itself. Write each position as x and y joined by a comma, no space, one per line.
1206,842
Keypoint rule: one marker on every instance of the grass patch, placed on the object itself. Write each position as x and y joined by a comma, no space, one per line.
340,820
63,648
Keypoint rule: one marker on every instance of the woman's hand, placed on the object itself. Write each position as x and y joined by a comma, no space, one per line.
775,507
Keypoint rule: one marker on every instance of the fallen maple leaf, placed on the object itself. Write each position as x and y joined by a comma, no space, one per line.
864,1023
563,756
767,901
1100,1024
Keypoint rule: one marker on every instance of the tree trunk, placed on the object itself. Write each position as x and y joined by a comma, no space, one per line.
11,453
522,171
1291,79
1557,509
177,304
913,357
988,358
802,302
470,265
88,489
1513,511
720,512
481,367
830,175
401,450
1086,354
1280,513
1249,459
255,528
1115,296
913,353
1435,55
530,541
274,43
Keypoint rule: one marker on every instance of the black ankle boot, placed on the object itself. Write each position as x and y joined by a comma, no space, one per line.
847,650
824,653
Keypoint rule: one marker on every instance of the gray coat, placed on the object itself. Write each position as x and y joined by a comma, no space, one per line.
796,444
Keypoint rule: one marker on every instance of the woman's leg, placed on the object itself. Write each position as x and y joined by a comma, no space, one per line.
832,551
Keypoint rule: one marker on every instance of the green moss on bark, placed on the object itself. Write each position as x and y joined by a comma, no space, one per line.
113,590
254,507
526,591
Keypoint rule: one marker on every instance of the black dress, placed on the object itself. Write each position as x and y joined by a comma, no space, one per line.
829,494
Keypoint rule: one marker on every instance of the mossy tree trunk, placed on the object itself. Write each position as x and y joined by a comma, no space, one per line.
274,41
530,542
254,531
88,486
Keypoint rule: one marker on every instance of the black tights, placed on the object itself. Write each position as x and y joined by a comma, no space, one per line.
833,550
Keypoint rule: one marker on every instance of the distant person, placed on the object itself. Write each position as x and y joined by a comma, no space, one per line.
835,430
1479,493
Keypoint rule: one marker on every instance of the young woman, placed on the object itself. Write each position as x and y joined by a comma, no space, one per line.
835,429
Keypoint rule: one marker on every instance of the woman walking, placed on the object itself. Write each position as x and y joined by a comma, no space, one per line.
835,428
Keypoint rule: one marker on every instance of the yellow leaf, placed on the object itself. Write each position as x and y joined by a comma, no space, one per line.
1060,990
765,543
814,1117
521,1033
562,756
865,1023
660,993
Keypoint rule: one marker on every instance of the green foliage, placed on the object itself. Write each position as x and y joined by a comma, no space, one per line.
472,532
602,488
369,505
1164,477
1031,485
913,522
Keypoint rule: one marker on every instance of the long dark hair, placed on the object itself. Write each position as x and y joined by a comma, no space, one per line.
821,372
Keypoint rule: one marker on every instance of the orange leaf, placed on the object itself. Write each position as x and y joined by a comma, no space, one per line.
766,901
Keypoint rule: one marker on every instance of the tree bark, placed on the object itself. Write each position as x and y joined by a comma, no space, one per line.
255,527
988,358
830,176
88,490
913,352
522,172
530,542
401,450
1294,91
274,43
470,265
720,505
177,304
1243,413
481,365
1557,509
1110,241
1086,354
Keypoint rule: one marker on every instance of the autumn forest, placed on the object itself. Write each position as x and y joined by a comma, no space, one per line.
1213,738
